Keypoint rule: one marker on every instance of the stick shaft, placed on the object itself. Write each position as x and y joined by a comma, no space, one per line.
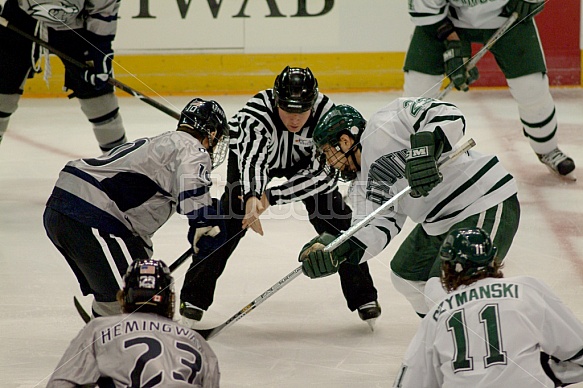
81,65
210,333
178,262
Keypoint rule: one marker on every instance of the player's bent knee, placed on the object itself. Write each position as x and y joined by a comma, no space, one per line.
104,309
413,290
434,292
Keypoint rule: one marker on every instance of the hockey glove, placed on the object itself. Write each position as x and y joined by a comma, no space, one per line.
98,58
316,263
421,166
525,9
455,58
207,231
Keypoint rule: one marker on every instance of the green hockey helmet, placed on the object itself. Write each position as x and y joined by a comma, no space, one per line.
468,250
337,121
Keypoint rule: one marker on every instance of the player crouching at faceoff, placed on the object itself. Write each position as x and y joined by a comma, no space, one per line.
400,146
142,348
104,211
492,331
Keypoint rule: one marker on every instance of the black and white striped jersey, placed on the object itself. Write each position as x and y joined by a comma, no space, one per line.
96,16
265,150
471,184
136,187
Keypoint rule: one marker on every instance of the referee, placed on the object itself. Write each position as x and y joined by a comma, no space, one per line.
271,137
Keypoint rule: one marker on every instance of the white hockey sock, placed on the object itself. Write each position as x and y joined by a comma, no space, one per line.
537,111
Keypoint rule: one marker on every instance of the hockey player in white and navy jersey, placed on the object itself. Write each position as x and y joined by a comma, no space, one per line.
103,211
492,331
271,137
143,347
83,30
441,44
400,146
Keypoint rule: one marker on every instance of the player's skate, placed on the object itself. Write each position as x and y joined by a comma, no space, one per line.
369,312
190,314
559,163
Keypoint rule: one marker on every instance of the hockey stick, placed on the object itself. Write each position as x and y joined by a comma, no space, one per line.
210,333
178,262
474,61
83,66
86,317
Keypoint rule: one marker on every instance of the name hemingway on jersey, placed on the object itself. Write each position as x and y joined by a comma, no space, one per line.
134,326
488,291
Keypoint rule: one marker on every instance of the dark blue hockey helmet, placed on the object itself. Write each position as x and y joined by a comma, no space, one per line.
149,287
208,118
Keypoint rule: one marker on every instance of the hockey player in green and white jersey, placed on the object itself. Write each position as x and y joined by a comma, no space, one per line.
492,331
400,146
143,347
441,44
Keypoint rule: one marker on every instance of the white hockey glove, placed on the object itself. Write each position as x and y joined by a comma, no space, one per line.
207,231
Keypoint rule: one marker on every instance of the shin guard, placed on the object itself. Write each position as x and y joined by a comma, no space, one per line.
103,113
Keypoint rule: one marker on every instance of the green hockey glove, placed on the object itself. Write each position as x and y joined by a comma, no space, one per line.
316,263
525,9
421,166
455,58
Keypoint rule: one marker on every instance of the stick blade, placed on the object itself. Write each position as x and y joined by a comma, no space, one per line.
206,333
86,318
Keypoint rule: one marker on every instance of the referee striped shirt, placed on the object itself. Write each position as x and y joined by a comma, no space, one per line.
265,150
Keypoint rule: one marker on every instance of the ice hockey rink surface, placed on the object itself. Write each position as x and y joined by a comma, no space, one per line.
304,335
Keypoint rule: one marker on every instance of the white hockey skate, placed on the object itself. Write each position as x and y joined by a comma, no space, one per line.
559,163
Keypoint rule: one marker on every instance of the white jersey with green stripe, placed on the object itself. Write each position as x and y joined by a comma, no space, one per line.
471,184
137,350
462,13
491,334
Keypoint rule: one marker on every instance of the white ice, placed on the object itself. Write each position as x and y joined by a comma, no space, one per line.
303,335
